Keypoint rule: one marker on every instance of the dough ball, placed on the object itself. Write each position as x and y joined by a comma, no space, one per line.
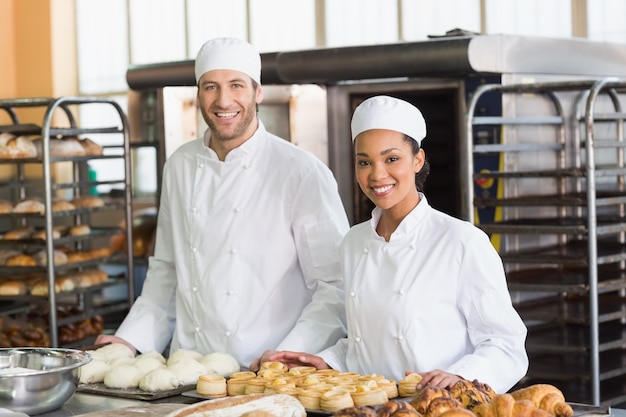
153,354
122,360
160,379
183,354
116,350
93,372
220,363
187,371
147,364
97,356
125,376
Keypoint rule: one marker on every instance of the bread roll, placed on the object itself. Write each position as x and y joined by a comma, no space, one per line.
19,233
40,288
41,258
62,205
91,147
80,230
61,147
30,206
41,234
157,380
124,376
88,201
6,254
20,260
6,207
220,363
18,147
13,287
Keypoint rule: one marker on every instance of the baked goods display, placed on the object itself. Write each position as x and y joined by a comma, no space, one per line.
34,264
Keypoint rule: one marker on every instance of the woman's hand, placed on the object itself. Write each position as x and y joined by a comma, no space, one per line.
256,365
436,379
292,359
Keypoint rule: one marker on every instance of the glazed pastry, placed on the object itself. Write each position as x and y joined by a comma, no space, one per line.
471,394
425,396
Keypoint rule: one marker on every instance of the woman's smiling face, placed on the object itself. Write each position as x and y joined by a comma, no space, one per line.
385,168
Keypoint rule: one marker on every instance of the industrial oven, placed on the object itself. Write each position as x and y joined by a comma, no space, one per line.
479,142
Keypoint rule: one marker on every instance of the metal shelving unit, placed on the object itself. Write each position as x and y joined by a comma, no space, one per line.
79,185
561,226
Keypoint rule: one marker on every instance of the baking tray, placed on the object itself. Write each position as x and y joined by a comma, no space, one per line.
131,393
580,410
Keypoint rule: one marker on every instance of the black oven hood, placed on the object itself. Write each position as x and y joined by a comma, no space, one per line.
439,57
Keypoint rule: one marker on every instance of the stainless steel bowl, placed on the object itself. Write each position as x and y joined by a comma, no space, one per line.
38,380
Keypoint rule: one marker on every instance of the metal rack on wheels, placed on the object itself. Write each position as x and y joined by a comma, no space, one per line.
79,185
560,225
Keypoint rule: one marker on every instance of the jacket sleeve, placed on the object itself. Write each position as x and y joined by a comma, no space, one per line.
495,329
319,224
150,322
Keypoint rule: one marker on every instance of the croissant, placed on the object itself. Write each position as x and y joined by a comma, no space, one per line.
504,405
471,394
547,397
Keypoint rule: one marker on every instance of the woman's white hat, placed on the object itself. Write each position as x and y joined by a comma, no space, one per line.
389,113
228,54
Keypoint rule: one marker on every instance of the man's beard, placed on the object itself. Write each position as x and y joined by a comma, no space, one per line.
239,129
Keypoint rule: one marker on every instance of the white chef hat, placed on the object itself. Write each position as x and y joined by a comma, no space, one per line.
229,54
389,113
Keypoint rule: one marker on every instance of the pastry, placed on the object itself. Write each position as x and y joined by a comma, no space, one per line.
211,385
310,399
439,405
407,387
391,407
364,395
546,397
98,253
356,411
335,399
278,405
424,396
236,386
471,394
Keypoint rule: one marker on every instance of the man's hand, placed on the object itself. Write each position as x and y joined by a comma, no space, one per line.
292,359
105,338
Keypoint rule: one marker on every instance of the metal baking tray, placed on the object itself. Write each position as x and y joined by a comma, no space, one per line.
131,393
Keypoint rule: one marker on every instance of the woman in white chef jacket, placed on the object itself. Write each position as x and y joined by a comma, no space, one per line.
425,292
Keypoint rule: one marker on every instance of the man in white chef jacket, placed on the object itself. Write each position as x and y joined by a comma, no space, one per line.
249,225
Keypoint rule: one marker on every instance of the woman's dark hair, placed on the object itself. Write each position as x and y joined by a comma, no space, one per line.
420,177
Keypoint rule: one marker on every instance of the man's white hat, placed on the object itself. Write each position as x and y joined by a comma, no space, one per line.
228,54
389,113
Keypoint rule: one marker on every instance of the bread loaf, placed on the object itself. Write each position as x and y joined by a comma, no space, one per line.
20,260
279,405
19,233
6,207
18,147
62,205
30,206
88,201
12,287
91,147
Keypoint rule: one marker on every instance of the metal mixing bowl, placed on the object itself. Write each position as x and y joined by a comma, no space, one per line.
38,380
